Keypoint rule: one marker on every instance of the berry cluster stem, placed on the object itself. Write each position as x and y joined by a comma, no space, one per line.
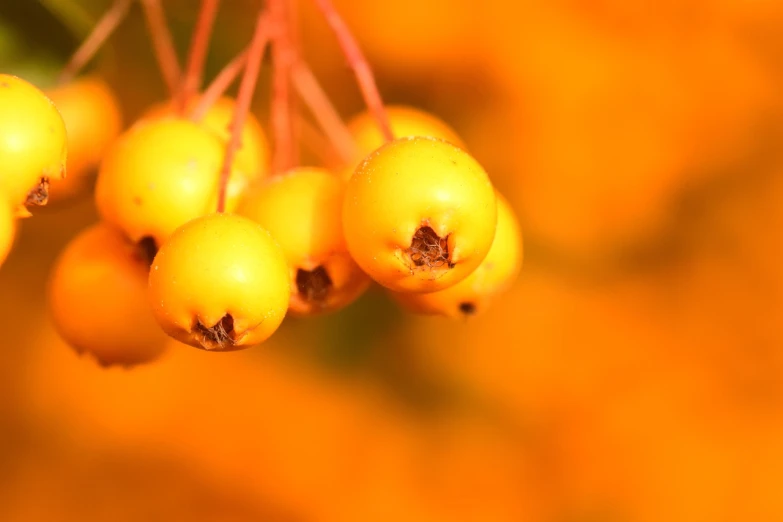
219,86
281,104
107,24
324,112
359,65
198,52
163,44
247,88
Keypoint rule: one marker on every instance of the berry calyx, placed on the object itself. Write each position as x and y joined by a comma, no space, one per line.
219,283
98,299
33,144
495,274
302,209
419,215
161,174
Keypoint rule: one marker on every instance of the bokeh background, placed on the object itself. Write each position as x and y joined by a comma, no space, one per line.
634,372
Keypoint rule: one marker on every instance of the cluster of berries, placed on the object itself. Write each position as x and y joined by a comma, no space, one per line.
204,239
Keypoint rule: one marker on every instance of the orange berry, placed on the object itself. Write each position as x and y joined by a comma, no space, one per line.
161,174
419,215
253,153
303,211
93,120
405,122
98,301
220,283
32,143
493,276
7,230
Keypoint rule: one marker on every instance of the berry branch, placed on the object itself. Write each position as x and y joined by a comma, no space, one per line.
282,56
324,112
247,87
198,51
359,65
107,24
163,44
219,85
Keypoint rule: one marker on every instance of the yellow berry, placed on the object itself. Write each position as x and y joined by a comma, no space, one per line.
419,215
161,174
303,211
220,283
33,144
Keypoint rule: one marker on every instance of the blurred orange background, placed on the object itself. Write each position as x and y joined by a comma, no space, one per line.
633,373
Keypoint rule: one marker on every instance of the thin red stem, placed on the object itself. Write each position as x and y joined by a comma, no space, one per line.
219,86
107,24
324,112
359,65
198,51
163,44
244,98
318,144
280,111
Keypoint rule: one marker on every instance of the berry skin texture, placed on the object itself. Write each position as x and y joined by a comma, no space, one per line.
98,299
495,274
303,211
7,230
419,215
161,174
93,120
33,144
253,153
220,283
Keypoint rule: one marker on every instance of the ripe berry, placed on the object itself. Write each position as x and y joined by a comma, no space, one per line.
303,211
98,300
419,215
7,230
253,154
493,276
405,122
161,174
32,143
93,119
220,283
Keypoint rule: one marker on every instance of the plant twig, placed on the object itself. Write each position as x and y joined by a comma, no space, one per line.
219,85
359,65
198,51
163,44
280,110
247,88
103,29
324,112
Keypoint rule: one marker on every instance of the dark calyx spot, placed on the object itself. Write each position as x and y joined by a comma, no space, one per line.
147,249
217,337
39,196
429,249
313,285
467,308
